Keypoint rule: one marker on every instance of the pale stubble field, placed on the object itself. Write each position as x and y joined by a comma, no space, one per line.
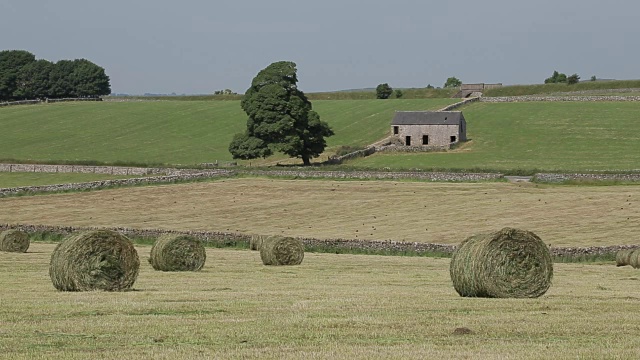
331,306
372,210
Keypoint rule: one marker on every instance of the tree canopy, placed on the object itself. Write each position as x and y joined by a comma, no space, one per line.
452,82
383,91
280,118
24,77
556,77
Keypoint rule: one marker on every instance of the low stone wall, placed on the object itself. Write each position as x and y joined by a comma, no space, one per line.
23,102
32,102
230,239
606,91
459,104
375,175
557,178
530,98
85,169
423,148
73,99
93,185
356,154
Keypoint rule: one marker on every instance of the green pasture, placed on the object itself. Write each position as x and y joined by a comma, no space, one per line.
8,180
169,132
553,136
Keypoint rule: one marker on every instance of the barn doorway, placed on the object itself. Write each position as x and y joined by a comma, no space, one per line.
407,140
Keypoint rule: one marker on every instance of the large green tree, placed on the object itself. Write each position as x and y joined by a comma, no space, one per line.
60,83
452,82
89,79
280,118
11,61
383,91
33,80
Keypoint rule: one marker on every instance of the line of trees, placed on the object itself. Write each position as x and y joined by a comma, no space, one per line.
557,77
23,77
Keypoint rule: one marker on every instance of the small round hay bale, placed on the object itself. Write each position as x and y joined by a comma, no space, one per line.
623,257
14,240
509,263
278,250
178,253
94,260
634,258
256,242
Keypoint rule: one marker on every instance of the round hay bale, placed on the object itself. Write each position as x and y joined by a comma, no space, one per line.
509,263
14,240
94,260
634,258
278,250
177,253
623,257
256,242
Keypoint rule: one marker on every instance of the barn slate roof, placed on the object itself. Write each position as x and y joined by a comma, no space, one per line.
427,118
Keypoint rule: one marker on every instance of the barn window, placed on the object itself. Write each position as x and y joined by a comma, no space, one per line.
425,139
395,130
407,140
453,138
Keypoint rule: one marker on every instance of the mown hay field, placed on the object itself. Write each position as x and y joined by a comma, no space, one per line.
171,132
372,210
553,136
331,306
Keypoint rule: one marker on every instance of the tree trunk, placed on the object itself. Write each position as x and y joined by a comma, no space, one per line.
305,160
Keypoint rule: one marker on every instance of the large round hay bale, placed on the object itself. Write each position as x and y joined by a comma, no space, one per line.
634,259
623,257
256,242
509,263
94,260
178,253
278,250
14,240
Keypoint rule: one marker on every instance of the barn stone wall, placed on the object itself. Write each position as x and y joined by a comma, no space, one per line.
438,134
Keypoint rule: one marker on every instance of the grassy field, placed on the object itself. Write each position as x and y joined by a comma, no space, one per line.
31,179
370,210
169,132
571,136
331,306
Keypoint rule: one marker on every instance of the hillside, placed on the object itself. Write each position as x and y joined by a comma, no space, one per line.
169,132
566,136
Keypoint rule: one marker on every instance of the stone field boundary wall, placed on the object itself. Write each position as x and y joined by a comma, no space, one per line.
230,239
531,98
45,101
557,178
377,175
101,184
86,169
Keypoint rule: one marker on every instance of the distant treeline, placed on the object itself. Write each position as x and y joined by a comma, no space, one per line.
23,77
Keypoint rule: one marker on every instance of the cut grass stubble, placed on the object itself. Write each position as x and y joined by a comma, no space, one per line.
332,306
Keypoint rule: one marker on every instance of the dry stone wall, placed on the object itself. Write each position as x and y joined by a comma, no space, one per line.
557,178
378,175
530,98
32,102
101,184
231,239
84,169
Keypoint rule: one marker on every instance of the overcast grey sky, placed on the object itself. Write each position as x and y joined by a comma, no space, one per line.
198,46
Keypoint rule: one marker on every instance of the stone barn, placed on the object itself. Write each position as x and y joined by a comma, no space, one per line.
429,128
